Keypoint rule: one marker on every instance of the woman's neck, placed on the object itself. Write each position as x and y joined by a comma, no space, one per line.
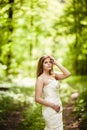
46,73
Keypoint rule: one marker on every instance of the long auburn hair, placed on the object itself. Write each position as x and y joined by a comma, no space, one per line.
40,66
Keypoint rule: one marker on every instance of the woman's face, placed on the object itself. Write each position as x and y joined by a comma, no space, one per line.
47,64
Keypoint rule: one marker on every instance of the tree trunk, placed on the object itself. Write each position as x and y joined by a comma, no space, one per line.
10,30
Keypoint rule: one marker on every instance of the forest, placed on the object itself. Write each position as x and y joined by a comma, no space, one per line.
28,30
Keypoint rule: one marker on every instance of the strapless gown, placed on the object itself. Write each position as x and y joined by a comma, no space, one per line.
53,119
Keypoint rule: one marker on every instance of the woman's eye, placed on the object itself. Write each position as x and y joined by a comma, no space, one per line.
45,62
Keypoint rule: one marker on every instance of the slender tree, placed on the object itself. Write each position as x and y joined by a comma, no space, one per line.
10,31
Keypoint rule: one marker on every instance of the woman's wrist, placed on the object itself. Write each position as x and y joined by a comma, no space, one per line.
57,64
52,106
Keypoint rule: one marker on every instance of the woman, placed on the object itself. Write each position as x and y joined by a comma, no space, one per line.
46,92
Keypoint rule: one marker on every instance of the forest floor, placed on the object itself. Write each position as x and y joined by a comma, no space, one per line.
69,118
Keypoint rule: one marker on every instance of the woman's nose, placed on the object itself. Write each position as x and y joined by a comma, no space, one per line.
49,63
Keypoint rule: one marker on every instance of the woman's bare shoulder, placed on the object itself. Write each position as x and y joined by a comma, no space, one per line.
40,78
39,82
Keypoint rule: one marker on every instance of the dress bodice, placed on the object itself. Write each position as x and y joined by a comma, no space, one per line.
51,91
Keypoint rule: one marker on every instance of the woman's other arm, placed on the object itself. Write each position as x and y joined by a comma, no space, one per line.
65,72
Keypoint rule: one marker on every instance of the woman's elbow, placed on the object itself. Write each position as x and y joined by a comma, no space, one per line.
69,74
36,99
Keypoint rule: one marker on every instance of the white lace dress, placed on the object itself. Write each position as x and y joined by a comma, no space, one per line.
53,119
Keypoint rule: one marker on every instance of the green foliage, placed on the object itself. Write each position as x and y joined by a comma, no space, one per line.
23,90
33,31
81,109
41,27
77,82
65,92
82,105
74,25
29,29
32,118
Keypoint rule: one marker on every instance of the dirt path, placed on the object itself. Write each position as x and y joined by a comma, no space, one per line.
69,117
12,121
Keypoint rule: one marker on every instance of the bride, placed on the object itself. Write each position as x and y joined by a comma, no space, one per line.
47,94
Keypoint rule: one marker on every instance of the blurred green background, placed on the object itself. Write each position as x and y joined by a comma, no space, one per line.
28,30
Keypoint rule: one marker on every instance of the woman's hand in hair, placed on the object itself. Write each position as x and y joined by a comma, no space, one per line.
53,60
